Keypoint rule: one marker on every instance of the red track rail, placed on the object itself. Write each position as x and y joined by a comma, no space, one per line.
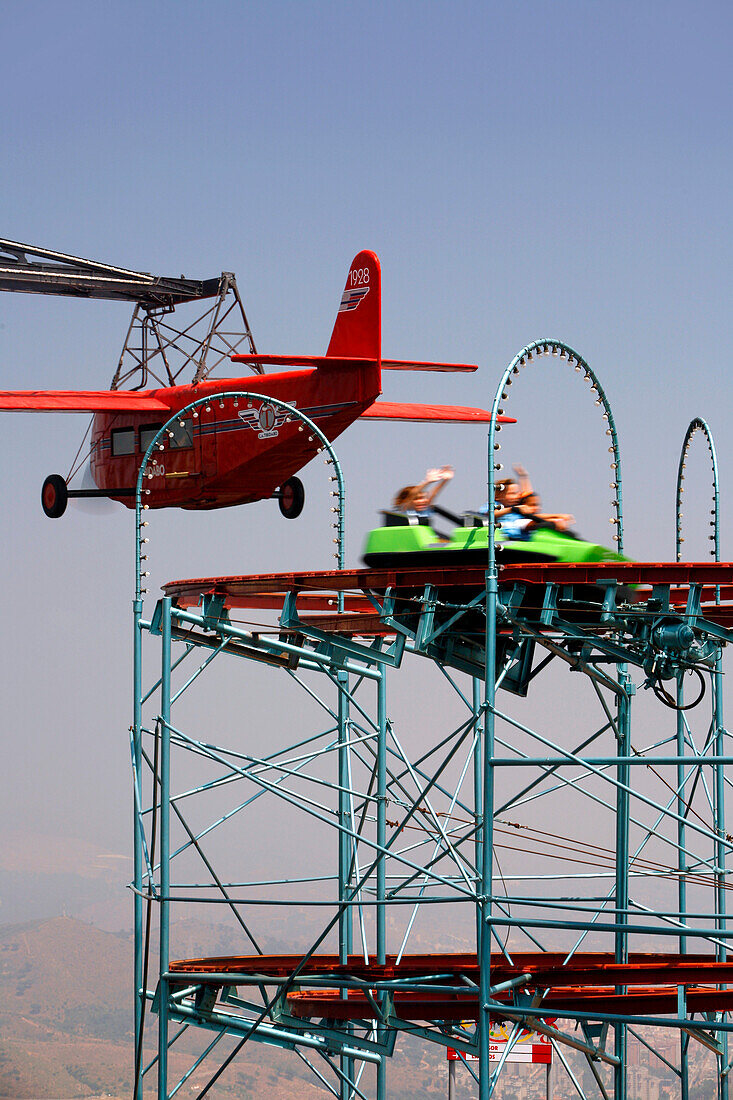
317,590
596,968
586,983
426,1007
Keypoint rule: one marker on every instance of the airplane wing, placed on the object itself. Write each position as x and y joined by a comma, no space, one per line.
450,414
144,401
346,361
81,401
408,364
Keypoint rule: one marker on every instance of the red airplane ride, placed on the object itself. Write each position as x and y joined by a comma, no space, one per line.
237,451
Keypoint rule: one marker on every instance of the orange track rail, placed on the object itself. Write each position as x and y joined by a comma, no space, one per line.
586,983
316,590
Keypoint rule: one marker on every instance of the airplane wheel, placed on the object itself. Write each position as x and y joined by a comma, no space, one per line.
54,496
292,498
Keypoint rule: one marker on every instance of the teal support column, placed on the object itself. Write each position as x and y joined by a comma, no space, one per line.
477,797
344,857
165,793
381,816
682,869
137,847
381,865
487,833
681,808
137,724
344,810
720,852
486,786
621,946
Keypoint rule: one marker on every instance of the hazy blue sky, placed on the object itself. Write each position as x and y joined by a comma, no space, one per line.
523,170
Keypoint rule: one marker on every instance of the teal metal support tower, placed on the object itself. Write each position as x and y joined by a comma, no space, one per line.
563,828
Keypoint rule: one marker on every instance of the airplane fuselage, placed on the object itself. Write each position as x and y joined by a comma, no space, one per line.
235,450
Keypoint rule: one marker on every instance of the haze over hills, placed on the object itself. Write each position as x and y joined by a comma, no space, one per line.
61,1002
65,1021
66,1014
66,993
44,875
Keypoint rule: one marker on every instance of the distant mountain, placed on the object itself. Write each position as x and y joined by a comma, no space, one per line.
42,876
66,988
65,1010
66,1016
66,1028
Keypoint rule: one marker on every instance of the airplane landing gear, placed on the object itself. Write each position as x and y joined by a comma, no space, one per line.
54,496
291,497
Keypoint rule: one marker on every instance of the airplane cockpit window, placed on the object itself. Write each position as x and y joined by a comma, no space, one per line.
148,433
182,434
123,441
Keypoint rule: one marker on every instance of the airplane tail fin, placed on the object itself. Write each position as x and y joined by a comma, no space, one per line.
356,340
357,333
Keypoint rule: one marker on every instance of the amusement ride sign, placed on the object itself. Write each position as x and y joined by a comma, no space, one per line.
527,1047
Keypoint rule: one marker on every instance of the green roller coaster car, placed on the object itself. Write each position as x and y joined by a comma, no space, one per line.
411,539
